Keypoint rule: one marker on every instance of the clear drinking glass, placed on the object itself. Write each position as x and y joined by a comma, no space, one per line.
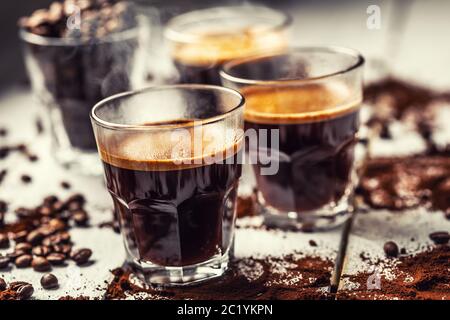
70,75
303,108
171,156
200,41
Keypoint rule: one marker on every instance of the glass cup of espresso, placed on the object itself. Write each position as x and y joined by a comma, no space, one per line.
303,108
172,161
200,41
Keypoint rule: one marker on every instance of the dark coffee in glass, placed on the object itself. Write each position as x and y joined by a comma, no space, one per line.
307,100
171,157
201,41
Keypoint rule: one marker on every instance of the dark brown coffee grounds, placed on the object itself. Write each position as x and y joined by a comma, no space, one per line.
423,276
287,278
75,298
396,99
408,182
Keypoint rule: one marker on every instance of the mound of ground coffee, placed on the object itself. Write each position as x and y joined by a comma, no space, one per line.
423,276
408,182
395,99
287,278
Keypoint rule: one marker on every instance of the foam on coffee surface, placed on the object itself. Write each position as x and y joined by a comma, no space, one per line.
170,149
290,103
215,47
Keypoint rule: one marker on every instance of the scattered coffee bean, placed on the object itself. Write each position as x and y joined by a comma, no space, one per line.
35,236
81,256
440,237
3,206
49,281
26,178
4,262
80,217
2,284
62,248
41,251
20,236
33,157
40,264
65,185
24,290
391,249
3,132
56,258
23,261
57,224
3,172
312,243
4,241
24,212
23,246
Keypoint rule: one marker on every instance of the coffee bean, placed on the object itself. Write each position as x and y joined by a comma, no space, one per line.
3,206
312,243
50,200
33,157
74,206
23,246
2,284
35,236
80,217
78,197
41,251
40,264
24,212
57,224
62,248
3,132
24,289
20,236
26,178
391,249
440,237
4,262
58,206
45,210
47,230
4,241
49,281
65,185
56,258
81,256
23,261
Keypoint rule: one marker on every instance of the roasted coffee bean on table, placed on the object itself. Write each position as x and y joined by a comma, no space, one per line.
41,264
56,258
23,261
4,262
2,284
440,237
23,289
391,249
81,256
49,281
4,241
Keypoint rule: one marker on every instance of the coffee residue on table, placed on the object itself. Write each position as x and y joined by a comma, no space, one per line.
291,277
422,276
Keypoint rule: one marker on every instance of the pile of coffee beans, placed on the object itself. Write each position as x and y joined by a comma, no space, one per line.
85,19
41,235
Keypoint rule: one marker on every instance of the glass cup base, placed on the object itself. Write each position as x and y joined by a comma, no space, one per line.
163,276
325,218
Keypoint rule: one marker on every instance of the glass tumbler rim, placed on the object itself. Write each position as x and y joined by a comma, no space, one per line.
36,39
136,127
226,75
171,33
